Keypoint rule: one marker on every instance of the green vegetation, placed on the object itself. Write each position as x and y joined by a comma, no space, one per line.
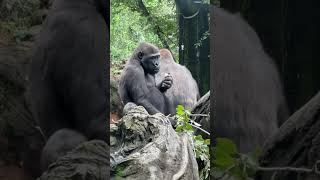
133,21
17,17
230,164
201,146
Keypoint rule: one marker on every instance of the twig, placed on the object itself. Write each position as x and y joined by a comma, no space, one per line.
44,137
200,129
202,115
301,170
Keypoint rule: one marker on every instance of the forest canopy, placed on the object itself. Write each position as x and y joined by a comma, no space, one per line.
134,21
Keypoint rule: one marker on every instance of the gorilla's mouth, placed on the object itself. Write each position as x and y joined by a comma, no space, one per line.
156,70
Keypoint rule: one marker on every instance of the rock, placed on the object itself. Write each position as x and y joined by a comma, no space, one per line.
146,146
116,104
89,161
16,122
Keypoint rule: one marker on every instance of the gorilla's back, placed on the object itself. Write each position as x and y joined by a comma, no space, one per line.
248,91
184,90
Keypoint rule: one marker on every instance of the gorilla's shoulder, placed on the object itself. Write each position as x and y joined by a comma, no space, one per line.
133,71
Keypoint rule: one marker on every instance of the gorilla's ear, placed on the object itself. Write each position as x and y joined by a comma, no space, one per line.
140,55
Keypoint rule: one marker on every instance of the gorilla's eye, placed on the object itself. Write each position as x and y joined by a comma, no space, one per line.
154,57
140,55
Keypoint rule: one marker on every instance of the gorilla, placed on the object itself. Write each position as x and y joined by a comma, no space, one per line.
249,101
68,76
137,81
184,90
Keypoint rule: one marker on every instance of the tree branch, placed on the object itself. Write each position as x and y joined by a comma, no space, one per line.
145,12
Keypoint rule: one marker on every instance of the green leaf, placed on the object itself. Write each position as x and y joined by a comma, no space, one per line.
253,159
207,142
119,170
180,110
227,146
179,128
238,173
189,127
198,138
222,159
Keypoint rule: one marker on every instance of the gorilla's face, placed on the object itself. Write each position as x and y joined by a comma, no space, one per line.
151,63
149,57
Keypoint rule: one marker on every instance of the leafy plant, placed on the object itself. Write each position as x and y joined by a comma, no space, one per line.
230,164
201,146
21,35
129,26
204,36
18,16
119,172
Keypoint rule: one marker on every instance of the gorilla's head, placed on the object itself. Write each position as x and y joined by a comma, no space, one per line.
102,6
148,56
166,56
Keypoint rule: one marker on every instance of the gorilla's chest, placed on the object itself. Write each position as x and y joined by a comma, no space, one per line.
150,81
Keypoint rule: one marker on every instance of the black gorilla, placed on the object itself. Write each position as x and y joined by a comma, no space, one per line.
184,90
68,77
249,101
137,82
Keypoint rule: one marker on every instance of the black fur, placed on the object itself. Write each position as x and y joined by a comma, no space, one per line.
184,90
137,82
68,77
249,101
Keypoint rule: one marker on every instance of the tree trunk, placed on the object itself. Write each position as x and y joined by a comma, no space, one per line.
144,11
194,44
296,144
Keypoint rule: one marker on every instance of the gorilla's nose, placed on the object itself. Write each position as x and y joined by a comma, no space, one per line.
156,64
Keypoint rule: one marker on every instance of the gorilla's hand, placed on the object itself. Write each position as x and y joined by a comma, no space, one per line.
166,83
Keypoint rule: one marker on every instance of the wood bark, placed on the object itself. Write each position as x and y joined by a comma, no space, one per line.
296,144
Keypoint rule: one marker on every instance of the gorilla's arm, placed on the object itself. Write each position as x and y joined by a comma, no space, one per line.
82,83
91,81
138,90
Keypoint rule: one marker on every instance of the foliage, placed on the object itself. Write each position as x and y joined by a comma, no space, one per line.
119,172
230,164
129,26
18,16
215,2
201,146
204,36
116,67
